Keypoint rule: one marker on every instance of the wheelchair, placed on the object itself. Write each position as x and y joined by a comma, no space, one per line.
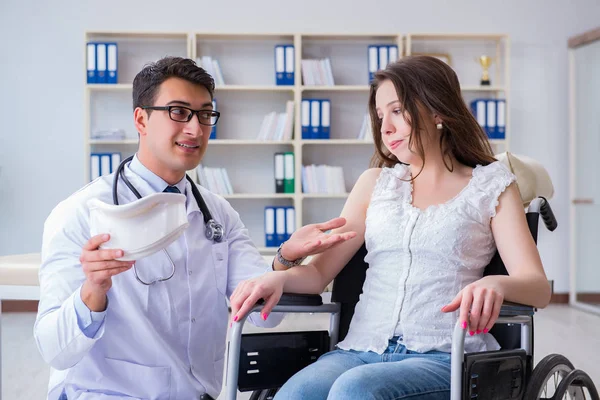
263,362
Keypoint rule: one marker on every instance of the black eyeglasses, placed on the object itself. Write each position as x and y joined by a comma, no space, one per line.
184,114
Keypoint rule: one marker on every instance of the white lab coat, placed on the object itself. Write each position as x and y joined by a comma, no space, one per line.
165,341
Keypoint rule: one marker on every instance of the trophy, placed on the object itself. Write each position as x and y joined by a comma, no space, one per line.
485,62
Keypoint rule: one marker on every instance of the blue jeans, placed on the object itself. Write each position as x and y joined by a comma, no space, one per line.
398,373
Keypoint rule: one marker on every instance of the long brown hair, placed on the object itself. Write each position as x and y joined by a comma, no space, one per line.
429,83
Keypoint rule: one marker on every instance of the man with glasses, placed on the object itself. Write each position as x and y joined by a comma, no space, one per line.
105,335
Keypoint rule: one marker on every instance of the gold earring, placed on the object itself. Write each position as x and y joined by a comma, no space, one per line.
439,126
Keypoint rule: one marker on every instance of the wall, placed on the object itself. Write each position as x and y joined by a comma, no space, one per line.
41,75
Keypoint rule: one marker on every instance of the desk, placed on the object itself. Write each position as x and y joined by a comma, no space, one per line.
18,281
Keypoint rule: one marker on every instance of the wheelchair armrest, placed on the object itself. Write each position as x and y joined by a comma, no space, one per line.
510,309
294,299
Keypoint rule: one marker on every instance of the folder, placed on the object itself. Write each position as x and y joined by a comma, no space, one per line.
115,160
213,131
289,65
392,54
112,62
91,63
490,120
94,166
105,168
279,225
325,119
372,61
383,57
478,108
288,170
315,119
279,65
501,119
270,227
279,173
305,115
290,222
101,63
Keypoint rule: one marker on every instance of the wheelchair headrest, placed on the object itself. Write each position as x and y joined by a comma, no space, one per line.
532,178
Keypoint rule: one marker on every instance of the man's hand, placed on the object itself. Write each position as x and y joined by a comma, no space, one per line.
99,266
312,239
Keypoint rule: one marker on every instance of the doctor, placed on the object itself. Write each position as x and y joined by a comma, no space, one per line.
105,334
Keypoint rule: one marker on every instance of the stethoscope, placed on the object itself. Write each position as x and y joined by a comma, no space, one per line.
213,230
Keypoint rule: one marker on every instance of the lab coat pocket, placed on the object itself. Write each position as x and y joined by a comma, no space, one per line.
138,381
220,255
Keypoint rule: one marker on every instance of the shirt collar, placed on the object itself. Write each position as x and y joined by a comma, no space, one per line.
156,182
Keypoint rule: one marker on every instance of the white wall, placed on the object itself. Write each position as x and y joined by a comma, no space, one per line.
41,75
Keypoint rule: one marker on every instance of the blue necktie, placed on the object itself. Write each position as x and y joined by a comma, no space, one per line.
171,189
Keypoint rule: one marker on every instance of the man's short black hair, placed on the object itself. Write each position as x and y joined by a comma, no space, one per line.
149,79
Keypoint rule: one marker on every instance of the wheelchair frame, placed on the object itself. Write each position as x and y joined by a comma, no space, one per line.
510,313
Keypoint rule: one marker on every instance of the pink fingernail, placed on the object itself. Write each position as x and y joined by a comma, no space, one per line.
486,330
235,318
464,325
471,333
478,331
265,316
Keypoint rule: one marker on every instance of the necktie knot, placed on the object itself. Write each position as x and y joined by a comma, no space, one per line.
171,189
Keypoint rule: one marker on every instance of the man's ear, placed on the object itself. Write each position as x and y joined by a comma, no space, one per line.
140,119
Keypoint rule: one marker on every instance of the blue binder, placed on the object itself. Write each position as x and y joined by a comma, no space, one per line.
112,63
213,131
290,221
315,119
325,119
91,62
372,61
280,225
101,67
290,65
280,65
305,118
270,240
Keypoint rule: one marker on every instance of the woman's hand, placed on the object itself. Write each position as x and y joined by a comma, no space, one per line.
312,239
268,287
479,304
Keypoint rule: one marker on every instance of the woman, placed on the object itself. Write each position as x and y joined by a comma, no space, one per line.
432,214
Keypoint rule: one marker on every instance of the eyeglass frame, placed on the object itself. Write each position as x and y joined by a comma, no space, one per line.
192,113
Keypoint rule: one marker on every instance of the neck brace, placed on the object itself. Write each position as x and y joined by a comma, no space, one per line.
142,227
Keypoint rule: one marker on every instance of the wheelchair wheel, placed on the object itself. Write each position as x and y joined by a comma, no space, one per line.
546,377
265,394
575,386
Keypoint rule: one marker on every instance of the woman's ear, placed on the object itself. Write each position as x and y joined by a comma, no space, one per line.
439,124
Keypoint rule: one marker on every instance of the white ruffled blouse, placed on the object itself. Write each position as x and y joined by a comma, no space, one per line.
420,259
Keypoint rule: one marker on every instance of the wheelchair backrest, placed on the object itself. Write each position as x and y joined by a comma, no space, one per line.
348,285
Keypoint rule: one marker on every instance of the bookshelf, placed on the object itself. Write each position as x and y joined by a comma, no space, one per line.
249,93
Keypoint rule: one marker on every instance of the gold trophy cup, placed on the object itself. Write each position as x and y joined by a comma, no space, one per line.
485,62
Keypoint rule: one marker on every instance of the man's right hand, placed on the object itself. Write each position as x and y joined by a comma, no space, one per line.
99,267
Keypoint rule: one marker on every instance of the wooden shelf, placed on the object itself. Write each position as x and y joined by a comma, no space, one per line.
483,88
250,163
337,88
109,86
456,36
259,196
225,142
324,195
337,141
257,88
107,142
